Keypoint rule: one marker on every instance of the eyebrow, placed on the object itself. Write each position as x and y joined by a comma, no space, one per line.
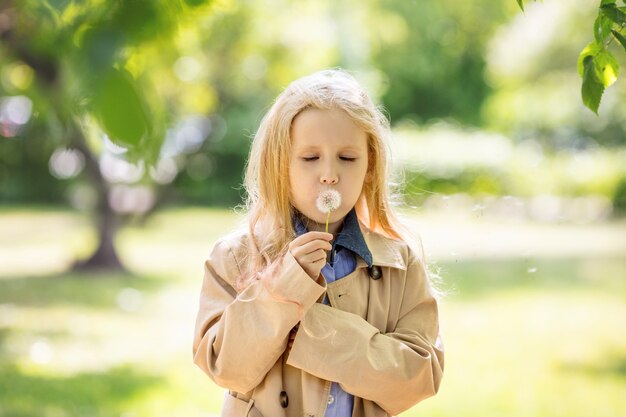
315,147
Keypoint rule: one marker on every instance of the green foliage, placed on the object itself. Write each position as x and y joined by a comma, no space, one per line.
492,166
119,108
606,67
596,64
592,88
600,66
474,181
602,28
89,64
114,63
431,55
614,13
620,38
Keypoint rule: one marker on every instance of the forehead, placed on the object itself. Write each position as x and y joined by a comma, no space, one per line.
316,128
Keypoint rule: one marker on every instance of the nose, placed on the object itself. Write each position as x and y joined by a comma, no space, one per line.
328,180
329,176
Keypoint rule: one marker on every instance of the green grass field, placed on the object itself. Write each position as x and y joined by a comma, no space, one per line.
524,335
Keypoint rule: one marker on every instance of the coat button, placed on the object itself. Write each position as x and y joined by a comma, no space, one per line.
375,272
284,399
331,399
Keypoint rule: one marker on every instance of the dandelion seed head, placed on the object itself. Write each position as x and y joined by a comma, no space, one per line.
328,200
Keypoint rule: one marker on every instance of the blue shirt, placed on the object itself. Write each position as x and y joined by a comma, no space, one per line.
348,243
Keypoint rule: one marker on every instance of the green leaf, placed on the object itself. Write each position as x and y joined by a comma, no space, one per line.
602,28
605,2
120,109
620,38
592,88
520,3
592,49
607,67
612,12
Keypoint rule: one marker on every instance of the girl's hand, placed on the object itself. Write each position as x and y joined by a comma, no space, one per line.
310,249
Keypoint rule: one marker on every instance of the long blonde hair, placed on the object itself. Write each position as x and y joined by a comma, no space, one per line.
268,212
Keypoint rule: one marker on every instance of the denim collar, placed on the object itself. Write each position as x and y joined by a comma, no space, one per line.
350,236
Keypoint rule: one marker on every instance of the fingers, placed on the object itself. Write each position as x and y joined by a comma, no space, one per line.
306,255
310,236
315,245
311,241
310,249
312,257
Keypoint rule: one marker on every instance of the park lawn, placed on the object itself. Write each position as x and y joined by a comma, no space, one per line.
523,336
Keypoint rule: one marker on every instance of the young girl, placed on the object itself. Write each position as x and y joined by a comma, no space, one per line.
319,305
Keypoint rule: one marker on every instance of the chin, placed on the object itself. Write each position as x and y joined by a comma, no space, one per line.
335,216
318,217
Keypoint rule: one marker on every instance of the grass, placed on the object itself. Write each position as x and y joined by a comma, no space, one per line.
524,353
524,335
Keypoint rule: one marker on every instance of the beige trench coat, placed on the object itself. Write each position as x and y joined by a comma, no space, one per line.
379,339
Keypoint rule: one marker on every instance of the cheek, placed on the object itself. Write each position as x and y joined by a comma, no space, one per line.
294,171
363,172
297,182
295,174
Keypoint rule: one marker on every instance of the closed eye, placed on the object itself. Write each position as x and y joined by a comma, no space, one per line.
313,158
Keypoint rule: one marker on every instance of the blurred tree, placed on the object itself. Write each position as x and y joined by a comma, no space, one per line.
432,55
81,70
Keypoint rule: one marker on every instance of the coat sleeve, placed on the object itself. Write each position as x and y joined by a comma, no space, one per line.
239,337
396,369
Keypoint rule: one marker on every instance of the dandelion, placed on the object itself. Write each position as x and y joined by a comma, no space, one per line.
327,201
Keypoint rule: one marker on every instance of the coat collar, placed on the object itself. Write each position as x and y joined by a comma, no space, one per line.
372,247
386,251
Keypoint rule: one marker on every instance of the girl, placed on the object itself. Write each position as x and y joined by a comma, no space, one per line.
319,311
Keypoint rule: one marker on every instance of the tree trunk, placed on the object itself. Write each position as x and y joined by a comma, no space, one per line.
107,221
105,257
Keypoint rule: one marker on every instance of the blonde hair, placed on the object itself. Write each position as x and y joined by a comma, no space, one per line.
268,211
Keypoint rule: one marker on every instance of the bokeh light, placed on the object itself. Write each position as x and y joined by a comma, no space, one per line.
15,112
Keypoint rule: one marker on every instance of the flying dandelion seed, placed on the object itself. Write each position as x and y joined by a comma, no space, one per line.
327,201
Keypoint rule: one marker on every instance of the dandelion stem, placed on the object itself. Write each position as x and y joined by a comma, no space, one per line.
327,218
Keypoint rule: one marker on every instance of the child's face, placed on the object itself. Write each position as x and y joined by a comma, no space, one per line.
328,151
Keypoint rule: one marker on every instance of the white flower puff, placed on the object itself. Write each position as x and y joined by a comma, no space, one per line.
328,200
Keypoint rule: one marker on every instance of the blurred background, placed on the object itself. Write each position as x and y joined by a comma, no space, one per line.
124,128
